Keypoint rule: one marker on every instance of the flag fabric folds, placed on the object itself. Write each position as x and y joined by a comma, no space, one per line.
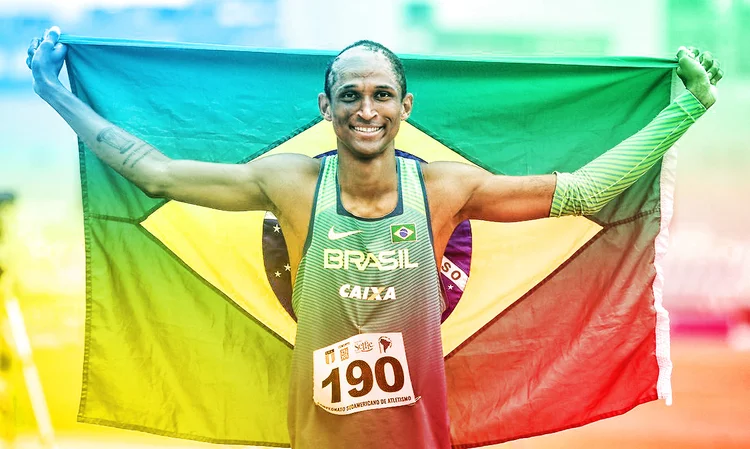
551,324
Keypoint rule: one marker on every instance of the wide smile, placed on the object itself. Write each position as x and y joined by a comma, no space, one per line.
367,130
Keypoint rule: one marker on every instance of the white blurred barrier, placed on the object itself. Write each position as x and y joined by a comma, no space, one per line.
20,339
30,373
707,271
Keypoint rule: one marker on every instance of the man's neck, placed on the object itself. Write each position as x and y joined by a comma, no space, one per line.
369,187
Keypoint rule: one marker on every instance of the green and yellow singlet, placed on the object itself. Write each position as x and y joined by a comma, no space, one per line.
368,369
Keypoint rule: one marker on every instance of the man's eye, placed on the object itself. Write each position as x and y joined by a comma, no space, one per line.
348,96
383,95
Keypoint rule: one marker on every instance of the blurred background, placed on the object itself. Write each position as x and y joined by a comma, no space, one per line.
707,269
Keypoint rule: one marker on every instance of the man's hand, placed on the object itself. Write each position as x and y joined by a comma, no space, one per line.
700,72
45,59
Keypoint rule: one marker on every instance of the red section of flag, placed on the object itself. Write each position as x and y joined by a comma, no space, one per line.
577,348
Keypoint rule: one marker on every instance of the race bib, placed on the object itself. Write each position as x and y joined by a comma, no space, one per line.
364,372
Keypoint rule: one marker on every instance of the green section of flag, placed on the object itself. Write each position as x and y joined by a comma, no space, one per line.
403,233
168,353
524,118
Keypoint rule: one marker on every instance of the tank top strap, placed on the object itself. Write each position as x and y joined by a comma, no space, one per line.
412,186
326,192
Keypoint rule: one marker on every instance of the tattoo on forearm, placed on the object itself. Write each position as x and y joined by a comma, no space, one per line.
134,151
117,139
144,154
125,144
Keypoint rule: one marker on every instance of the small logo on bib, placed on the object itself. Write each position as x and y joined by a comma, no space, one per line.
344,352
362,346
384,343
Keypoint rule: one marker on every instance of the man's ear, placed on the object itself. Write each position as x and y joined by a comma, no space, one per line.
406,105
325,106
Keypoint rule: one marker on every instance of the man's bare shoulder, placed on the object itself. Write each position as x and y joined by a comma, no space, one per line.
449,172
293,163
286,170
449,185
289,180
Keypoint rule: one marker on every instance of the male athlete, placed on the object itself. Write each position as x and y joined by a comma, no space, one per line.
364,231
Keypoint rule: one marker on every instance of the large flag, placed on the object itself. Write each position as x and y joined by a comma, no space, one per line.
552,323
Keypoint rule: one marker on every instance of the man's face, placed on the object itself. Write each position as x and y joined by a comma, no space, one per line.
365,107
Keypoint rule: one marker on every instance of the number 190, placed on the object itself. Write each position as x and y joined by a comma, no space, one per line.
365,378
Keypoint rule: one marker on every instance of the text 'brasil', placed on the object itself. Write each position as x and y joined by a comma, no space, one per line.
336,259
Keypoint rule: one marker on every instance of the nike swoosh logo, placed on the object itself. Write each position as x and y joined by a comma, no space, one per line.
333,235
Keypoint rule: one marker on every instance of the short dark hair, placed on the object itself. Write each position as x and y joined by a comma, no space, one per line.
396,65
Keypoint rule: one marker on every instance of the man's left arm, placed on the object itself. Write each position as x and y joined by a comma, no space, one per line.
588,189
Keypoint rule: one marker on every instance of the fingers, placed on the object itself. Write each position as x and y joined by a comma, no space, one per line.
715,74
33,45
706,59
49,43
52,34
691,52
682,52
32,49
712,67
686,62
61,50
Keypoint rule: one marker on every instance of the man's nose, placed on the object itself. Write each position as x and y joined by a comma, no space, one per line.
367,111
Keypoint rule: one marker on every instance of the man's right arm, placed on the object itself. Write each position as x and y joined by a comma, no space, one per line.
219,186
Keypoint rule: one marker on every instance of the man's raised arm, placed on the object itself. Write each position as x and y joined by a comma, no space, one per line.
588,189
515,198
219,186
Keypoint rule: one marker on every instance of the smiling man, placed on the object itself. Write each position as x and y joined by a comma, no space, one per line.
365,229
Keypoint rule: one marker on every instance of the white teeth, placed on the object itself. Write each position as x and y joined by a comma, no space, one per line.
366,130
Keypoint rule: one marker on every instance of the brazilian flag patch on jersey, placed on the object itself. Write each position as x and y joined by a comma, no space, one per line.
403,233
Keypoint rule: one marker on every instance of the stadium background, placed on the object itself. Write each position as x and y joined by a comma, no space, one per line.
707,269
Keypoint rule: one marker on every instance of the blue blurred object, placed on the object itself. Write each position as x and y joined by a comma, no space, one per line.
6,197
253,23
